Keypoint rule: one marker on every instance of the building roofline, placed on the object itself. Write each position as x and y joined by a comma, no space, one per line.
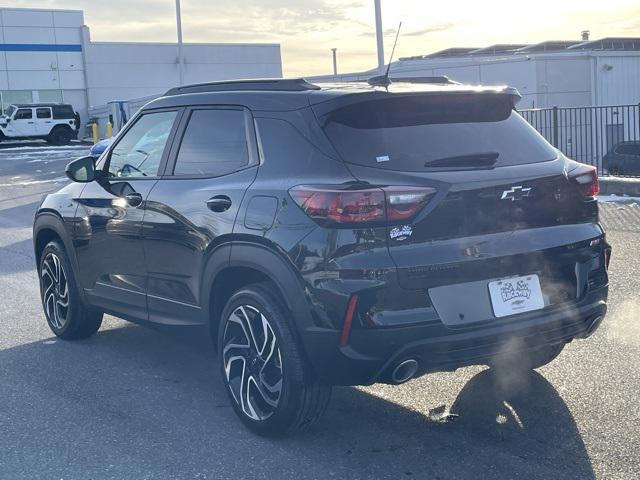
64,10
189,44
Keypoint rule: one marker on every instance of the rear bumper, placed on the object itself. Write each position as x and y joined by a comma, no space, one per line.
372,354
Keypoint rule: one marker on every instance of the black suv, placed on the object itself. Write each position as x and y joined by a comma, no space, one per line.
338,235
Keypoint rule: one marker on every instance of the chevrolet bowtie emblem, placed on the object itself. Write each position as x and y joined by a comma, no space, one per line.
516,193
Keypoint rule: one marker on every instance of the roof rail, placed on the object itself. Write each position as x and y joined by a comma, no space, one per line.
266,84
441,79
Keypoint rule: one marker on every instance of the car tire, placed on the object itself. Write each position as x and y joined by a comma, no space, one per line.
67,315
60,136
270,384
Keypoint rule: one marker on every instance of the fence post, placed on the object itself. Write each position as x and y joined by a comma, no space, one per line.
554,122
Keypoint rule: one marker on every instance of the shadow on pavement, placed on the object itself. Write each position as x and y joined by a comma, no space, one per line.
17,257
20,215
133,402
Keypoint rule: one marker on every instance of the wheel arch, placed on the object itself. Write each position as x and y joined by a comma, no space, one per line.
50,226
249,263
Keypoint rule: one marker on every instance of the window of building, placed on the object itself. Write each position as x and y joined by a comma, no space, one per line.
15,96
50,96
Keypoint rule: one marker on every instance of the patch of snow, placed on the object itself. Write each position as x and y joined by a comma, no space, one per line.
617,198
46,148
33,182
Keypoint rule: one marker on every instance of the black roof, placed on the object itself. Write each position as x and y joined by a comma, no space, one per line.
297,93
45,104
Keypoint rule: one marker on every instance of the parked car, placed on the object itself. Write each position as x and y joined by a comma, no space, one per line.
53,122
623,159
338,235
96,150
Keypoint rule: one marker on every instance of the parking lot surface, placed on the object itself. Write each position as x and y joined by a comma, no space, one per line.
140,403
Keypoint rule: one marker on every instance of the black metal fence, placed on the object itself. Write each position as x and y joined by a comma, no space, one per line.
586,134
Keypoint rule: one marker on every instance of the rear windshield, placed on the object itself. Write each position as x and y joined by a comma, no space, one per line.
420,133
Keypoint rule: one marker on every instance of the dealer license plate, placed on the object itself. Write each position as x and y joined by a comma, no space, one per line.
514,295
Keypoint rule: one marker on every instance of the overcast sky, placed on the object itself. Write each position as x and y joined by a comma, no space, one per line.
307,29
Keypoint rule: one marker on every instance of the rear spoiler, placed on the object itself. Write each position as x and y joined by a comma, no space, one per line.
424,87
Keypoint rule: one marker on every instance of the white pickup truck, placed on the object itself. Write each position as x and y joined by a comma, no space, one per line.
53,122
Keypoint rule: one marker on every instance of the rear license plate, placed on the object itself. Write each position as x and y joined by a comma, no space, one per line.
511,296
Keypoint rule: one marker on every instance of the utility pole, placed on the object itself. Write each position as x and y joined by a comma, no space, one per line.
379,37
180,52
335,61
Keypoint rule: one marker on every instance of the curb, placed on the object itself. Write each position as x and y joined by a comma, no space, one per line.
610,185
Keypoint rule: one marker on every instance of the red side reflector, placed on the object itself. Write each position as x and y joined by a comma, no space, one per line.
348,318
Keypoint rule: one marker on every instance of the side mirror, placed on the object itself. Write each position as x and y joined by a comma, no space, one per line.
7,119
81,170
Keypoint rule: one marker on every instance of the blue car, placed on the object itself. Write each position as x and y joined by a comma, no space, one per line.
100,147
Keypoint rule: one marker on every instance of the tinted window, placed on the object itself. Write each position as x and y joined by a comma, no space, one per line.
43,112
62,111
23,114
628,149
214,143
409,132
139,151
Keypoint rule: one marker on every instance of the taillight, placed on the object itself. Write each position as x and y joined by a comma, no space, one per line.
335,204
586,178
404,203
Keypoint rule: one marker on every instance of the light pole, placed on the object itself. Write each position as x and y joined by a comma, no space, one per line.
180,52
335,61
379,37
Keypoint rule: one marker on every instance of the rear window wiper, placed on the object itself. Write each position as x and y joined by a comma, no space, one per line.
472,160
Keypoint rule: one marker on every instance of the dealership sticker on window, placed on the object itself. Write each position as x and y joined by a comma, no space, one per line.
401,233
382,158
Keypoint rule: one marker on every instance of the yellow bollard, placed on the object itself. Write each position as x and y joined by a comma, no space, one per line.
109,131
94,133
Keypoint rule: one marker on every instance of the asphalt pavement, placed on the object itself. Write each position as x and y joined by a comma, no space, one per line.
139,403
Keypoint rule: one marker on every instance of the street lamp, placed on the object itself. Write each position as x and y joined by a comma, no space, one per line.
180,52
379,37
335,62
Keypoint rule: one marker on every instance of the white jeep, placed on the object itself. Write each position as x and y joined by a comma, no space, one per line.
53,122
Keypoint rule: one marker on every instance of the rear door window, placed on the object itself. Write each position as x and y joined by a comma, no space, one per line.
43,112
423,132
214,143
628,149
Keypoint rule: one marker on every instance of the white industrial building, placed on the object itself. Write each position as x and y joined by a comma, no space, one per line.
48,56
547,74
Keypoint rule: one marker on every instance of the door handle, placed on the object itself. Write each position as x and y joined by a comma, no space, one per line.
219,203
31,122
133,199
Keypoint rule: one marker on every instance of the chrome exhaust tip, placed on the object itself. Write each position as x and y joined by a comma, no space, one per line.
404,371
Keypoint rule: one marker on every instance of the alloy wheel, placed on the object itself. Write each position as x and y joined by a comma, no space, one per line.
252,362
55,291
